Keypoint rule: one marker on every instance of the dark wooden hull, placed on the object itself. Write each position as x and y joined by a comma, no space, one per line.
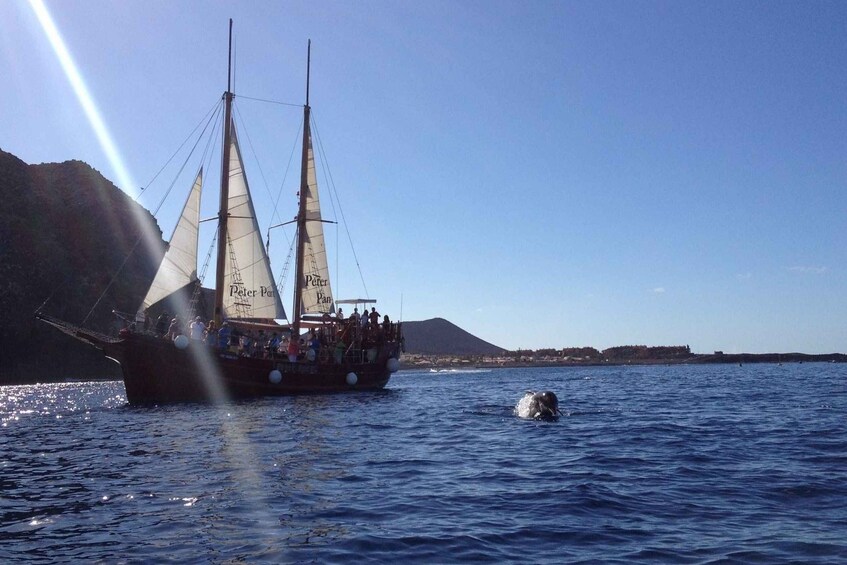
155,371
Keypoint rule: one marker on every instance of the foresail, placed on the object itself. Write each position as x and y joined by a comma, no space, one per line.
317,292
179,265
249,288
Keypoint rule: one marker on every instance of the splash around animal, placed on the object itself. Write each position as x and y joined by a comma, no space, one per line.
538,406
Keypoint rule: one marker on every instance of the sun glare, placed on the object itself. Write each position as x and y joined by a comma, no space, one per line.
83,95
88,105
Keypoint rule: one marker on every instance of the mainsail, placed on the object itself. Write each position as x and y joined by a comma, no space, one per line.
179,265
249,290
317,292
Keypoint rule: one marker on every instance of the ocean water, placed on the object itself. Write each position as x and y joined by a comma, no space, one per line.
660,464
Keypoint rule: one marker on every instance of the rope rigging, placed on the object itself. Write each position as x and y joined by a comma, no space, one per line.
334,193
198,287
209,118
270,101
210,132
252,149
217,106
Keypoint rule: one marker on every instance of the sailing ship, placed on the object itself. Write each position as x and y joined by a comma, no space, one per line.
339,354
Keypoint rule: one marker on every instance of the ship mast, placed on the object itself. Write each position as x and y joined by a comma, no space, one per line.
301,214
222,214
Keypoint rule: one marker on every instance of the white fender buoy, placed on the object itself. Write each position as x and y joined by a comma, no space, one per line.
393,365
181,341
352,379
275,377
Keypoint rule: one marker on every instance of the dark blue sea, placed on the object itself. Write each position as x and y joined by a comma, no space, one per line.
657,464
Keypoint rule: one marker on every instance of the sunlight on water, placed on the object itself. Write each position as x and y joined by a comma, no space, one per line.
28,401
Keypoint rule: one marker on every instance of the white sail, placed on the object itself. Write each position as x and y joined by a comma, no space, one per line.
249,289
179,265
317,292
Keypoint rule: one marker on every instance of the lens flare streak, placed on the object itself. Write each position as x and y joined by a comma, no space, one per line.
83,95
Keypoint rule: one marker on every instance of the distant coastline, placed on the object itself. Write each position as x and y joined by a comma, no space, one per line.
446,361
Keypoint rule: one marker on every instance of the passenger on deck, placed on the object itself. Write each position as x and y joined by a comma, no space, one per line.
224,335
314,345
374,317
340,314
211,337
273,345
162,323
244,344
260,348
255,345
340,347
197,329
369,345
293,349
175,328
355,315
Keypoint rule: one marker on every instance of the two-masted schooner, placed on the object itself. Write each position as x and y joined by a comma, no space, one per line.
340,354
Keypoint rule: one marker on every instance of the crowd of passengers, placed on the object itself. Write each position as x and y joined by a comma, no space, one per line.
357,337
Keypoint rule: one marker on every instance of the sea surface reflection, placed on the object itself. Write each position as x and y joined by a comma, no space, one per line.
654,464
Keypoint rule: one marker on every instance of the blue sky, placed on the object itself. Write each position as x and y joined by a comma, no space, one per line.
543,174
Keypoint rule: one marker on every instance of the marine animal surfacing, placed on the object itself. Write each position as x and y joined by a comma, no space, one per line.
538,406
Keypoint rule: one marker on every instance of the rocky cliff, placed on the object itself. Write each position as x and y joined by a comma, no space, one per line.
68,237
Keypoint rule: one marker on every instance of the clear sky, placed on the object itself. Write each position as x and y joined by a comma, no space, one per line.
542,174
